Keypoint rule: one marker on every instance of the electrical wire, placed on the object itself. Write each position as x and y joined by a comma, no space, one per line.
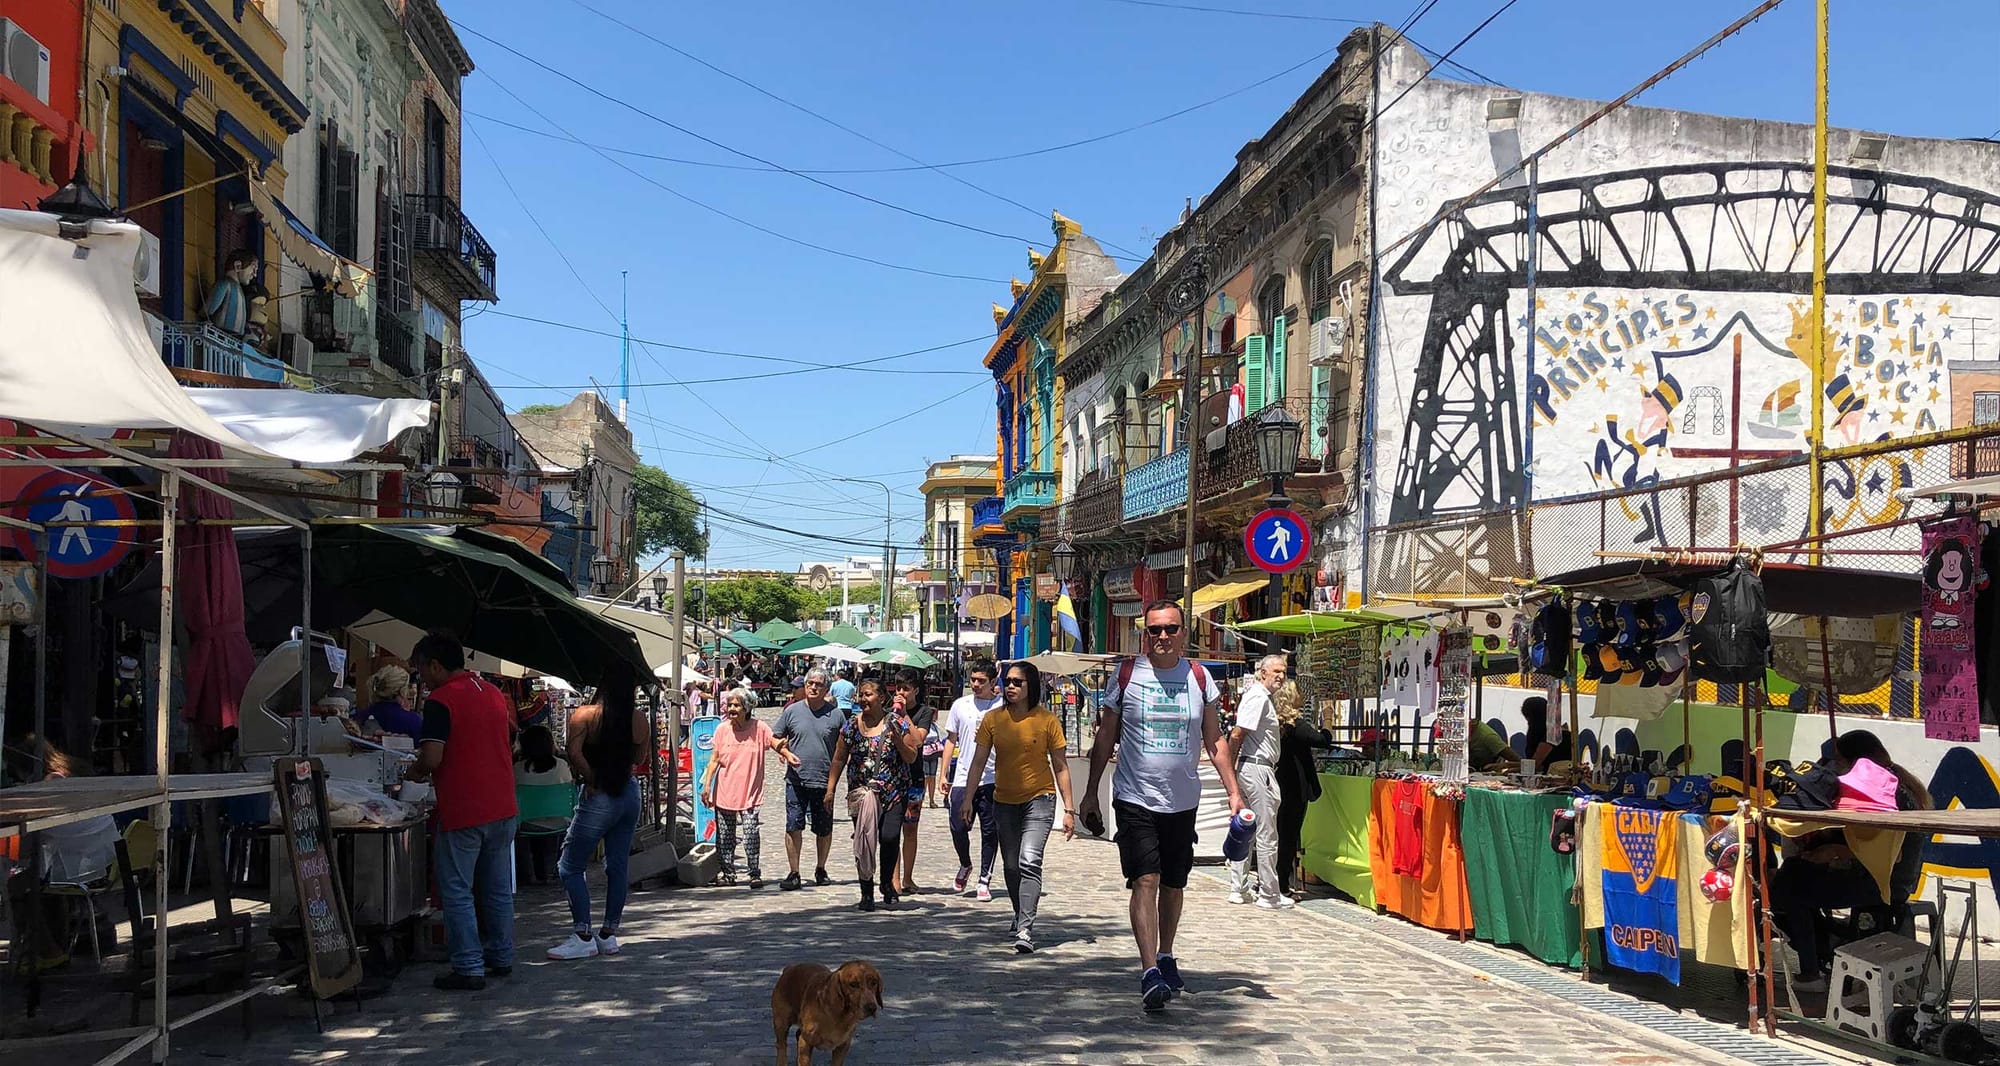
738,219
844,128
1476,30
752,156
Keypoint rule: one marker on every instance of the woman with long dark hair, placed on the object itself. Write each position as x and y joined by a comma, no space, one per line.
876,747
1031,769
605,739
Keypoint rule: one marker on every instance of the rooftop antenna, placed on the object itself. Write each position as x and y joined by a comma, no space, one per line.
624,349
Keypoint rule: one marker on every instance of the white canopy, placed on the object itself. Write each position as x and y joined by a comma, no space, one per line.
1988,485
655,632
399,637
76,356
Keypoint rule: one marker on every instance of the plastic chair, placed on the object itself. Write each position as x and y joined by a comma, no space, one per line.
551,805
100,882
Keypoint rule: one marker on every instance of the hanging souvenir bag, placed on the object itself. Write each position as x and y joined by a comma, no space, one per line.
1731,635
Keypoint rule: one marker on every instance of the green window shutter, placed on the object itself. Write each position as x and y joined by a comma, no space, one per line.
1316,418
1276,393
1254,372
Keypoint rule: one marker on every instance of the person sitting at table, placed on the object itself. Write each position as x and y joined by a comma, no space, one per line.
1537,746
538,764
1824,873
78,853
389,697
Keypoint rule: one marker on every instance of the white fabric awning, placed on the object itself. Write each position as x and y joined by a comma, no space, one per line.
655,632
75,356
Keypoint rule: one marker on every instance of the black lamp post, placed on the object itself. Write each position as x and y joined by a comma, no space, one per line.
600,574
446,494
1062,560
1277,459
662,585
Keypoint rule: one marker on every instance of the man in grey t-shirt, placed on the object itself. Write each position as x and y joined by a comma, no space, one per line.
1254,739
1153,712
811,727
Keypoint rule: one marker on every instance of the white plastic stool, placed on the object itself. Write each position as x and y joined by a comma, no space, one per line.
1880,964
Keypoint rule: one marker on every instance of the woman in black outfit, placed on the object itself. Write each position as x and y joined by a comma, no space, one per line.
1298,775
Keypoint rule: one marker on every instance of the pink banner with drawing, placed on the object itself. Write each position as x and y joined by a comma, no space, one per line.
1950,693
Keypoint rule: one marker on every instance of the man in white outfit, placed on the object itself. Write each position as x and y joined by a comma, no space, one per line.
1255,739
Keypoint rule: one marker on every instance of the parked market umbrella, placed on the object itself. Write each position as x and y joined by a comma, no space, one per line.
779,631
486,597
749,641
210,584
916,657
803,643
1068,663
845,634
895,641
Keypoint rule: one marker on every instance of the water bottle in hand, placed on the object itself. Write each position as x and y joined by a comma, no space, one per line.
1242,827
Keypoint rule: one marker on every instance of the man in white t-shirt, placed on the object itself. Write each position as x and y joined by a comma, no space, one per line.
1254,739
1153,712
961,726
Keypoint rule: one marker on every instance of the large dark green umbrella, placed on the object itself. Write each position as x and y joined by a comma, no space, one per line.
749,641
845,634
803,643
489,596
892,641
779,631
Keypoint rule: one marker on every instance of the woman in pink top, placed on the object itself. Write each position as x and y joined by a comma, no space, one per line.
734,784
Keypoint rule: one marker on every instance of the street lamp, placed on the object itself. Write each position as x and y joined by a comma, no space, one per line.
600,573
1063,562
1277,459
445,492
662,584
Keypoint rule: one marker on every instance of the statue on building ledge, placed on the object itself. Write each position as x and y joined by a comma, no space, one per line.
237,294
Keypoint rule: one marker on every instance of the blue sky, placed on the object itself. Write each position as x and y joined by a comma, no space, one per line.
950,81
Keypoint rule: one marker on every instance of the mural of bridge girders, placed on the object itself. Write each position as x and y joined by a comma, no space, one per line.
1723,227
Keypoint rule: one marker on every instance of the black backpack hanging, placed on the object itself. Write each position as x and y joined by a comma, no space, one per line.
1548,650
1728,628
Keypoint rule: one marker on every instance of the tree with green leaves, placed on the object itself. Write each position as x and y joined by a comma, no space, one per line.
668,515
761,599
905,601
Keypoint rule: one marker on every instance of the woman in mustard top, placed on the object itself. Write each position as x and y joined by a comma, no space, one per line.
1031,769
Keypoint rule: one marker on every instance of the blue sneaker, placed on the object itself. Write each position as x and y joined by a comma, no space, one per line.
1153,990
1170,972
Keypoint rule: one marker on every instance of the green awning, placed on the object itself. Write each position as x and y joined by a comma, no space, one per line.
845,634
891,641
1315,622
749,641
804,642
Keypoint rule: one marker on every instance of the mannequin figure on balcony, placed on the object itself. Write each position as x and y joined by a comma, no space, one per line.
232,299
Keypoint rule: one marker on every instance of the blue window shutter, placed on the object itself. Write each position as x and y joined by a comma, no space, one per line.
1254,371
1276,393
1316,418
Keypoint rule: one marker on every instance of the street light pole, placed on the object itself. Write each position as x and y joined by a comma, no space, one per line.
888,506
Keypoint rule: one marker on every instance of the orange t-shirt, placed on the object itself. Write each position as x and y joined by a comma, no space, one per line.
1020,746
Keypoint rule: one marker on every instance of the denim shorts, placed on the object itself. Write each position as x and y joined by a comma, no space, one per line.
803,801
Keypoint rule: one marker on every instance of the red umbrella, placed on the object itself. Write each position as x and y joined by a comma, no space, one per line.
209,597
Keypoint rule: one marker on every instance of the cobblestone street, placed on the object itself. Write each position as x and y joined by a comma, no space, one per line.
693,985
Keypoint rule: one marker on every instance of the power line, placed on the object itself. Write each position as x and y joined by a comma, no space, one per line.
890,422
733,150
1240,11
683,53
738,219
1476,30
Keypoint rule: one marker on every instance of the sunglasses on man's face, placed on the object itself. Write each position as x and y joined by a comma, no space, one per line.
1165,630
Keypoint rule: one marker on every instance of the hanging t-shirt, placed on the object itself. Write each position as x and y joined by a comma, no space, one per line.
1159,735
1406,852
739,762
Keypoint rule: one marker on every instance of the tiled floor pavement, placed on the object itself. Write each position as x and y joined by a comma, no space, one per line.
693,986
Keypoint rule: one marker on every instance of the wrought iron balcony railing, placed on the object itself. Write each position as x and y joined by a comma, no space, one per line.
449,248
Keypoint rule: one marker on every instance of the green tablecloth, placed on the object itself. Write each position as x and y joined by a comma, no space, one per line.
1333,843
1520,887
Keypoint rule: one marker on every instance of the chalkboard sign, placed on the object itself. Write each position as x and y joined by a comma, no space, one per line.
332,960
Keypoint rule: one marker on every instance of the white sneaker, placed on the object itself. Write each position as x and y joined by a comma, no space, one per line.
607,945
1236,896
1286,903
573,947
1265,904
985,894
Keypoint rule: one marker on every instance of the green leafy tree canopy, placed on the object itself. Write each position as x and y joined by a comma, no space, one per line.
761,599
668,515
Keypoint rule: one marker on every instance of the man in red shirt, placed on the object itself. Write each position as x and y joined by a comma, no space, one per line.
465,749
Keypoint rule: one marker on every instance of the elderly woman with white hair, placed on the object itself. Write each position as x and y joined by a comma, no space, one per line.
1254,739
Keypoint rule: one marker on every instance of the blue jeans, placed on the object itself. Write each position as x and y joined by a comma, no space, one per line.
481,856
612,820
989,833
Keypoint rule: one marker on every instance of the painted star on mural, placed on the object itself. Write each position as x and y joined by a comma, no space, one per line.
1700,332
1618,363
1934,377
1920,320
1947,333
1846,339
1874,416
1875,482
1521,323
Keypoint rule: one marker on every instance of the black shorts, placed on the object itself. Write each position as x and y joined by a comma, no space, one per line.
804,803
1151,842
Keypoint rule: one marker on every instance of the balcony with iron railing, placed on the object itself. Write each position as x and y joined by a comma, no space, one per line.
1229,454
201,354
450,255
1155,487
1096,504
483,483
1027,492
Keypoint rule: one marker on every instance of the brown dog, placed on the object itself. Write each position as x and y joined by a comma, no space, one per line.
826,1006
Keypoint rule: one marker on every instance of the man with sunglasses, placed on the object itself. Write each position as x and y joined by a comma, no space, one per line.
811,727
1152,712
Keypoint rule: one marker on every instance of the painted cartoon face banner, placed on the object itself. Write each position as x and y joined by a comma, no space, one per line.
1950,678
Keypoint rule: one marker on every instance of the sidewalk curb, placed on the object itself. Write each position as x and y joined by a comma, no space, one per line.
1665,1041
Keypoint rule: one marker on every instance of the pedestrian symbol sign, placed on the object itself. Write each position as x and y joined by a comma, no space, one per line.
1277,541
78,551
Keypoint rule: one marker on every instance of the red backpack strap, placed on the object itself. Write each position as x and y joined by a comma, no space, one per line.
1199,675
1124,675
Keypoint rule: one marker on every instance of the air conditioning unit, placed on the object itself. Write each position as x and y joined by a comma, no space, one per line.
146,266
435,232
1329,341
297,351
23,60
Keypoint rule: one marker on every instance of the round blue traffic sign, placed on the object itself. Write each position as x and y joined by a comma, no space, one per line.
1277,541
80,551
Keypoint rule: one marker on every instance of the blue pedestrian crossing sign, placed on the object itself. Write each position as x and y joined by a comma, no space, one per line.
1277,540
77,551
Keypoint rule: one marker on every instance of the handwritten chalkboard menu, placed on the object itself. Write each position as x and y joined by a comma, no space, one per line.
332,960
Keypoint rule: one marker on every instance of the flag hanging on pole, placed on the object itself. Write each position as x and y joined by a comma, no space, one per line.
1066,618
